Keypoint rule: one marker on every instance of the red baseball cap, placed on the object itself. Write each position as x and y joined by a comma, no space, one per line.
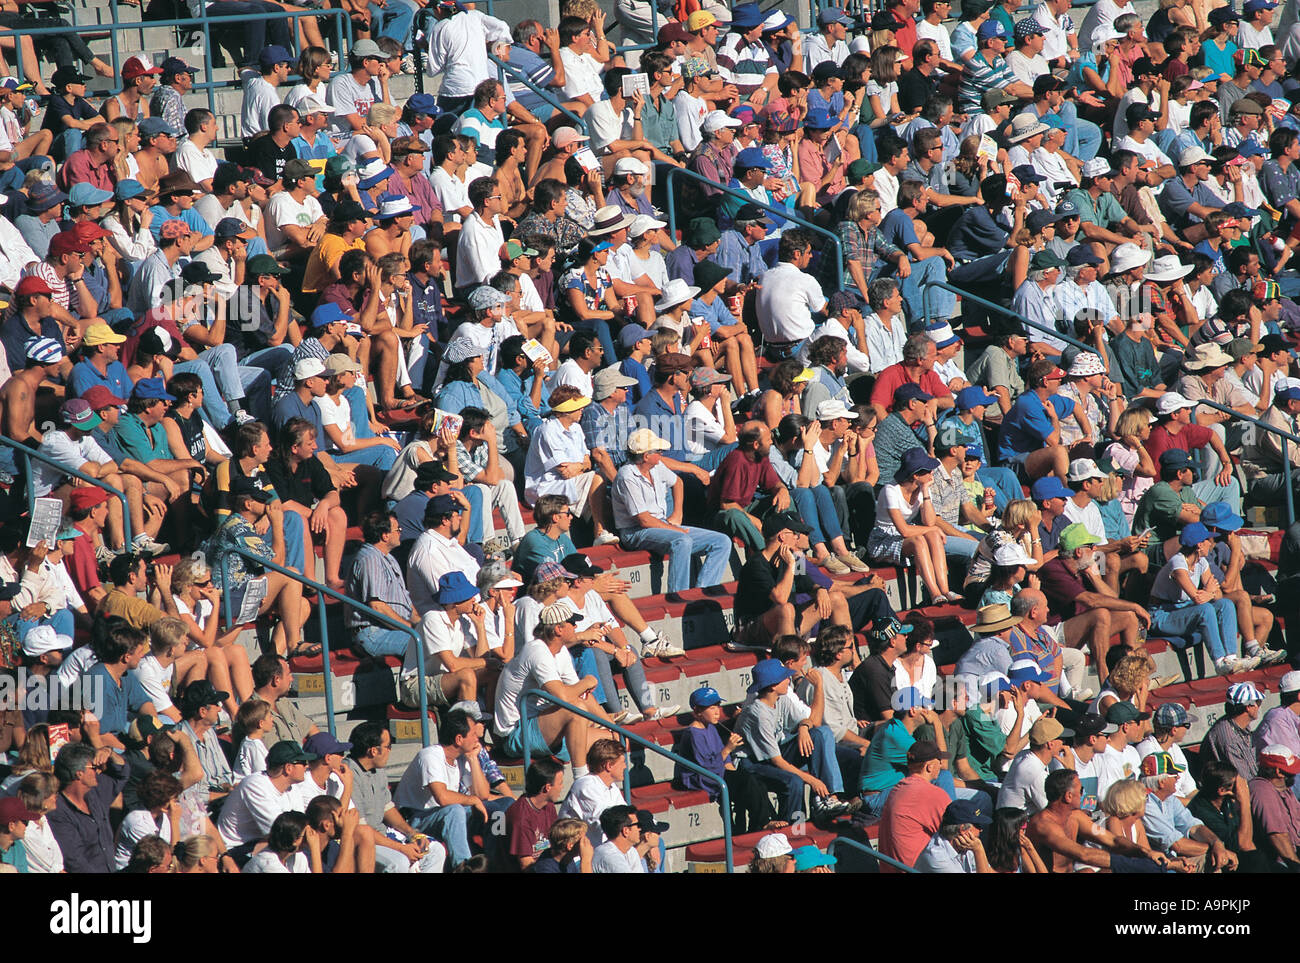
87,497
68,242
88,231
32,285
99,397
1056,374
137,67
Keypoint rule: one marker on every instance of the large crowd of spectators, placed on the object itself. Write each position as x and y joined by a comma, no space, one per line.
355,343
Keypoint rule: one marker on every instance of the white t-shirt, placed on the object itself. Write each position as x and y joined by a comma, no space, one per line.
925,30
891,496
251,808
607,125
430,765
691,112
155,681
138,824
252,757
704,428
43,853
259,98
1165,590
786,302
478,251
347,96
608,858
1006,718
267,862
1023,786
285,209
1111,766
571,373
439,635
581,75
1089,516
587,799
532,668
451,192
199,162
361,148
339,414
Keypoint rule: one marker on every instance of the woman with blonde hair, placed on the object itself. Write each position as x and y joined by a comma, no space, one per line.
1129,456
128,135
198,604
1125,805
569,847
34,756
1019,527
199,854
1129,681
788,381
772,856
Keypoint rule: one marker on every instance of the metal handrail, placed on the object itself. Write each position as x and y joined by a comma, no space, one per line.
1286,437
781,212
322,591
31,453
342,23
870,851
967,296
628,736
505,67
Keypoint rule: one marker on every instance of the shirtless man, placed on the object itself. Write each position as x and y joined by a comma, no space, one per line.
18,395
1056,833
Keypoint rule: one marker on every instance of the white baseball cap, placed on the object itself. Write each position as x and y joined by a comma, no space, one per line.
1082,469
773,844
41,639
715,120
630,165
833,408
308,368
1172,401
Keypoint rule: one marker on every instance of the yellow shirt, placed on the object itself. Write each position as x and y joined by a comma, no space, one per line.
324,259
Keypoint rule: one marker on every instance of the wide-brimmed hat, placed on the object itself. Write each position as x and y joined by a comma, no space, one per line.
1206,356
676,292
1024,126
1167,268
991,619
608,220
1127,257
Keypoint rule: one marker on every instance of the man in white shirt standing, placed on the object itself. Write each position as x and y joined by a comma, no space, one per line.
478,252
194,156
788,297
458,49
259,89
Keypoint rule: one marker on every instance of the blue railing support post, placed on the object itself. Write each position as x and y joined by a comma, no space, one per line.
29,453
781,212
627,737
879,857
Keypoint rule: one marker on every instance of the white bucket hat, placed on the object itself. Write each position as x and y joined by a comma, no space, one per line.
677,292
1167,268
1127,257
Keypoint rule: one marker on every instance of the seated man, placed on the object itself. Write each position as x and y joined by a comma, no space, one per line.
956,847
377,580
559,462
644,520
456,647
774,598
254,804
762,726
443,783
1275,809
1168,824
1031,431
1060,830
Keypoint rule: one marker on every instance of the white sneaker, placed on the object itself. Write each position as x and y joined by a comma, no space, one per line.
144,544
1268,656
243,417
662,649
627,717
605,538
1248,663
668,711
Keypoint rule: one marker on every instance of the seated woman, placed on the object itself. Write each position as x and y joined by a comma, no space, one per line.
1186,598
810,495
1019,526
1010,565
788,381
710,427
306,488
907,527
198,605
587,297
916,668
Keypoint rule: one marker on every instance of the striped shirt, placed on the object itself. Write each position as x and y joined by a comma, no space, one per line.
981,75
744,64
377,576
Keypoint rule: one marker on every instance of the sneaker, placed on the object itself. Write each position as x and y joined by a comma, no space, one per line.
627,717
1248,663
408,63
1268,656
668,711
243,417
605,538
854,563
1225,666
104,555
829,807
832,565
661,648
144,544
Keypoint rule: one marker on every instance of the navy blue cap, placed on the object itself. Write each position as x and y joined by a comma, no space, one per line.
1081,254
963,811
152,389
1175,458
444,505
1238,209
322,744
914,460
423,104
1027,175
909,392
274,54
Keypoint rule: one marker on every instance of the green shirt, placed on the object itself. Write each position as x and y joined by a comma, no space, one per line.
135,440
985,742
659,123
1103,212
885,763
16,856
1159,509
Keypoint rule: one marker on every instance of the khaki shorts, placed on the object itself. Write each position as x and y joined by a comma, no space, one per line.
409,691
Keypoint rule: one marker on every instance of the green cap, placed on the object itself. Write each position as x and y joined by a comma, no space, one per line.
514,249
338,165
287,751
700,233
1075,536
861,168
264,264
1042,260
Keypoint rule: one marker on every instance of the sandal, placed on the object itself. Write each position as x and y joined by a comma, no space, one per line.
305,650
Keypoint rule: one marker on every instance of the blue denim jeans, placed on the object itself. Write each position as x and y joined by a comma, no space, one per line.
679,548
393,20
817,510
634,675
379,640
955,547
1215,621
1082,137
450,826
788,787
215,410
823,763
61,621
478,521
942,303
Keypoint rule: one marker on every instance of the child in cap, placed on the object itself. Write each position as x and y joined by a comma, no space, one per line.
702,742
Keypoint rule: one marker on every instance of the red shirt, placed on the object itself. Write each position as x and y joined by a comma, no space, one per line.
904,39
79,167
528,827
895,375
81,564
913,813
739,477
1190,438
